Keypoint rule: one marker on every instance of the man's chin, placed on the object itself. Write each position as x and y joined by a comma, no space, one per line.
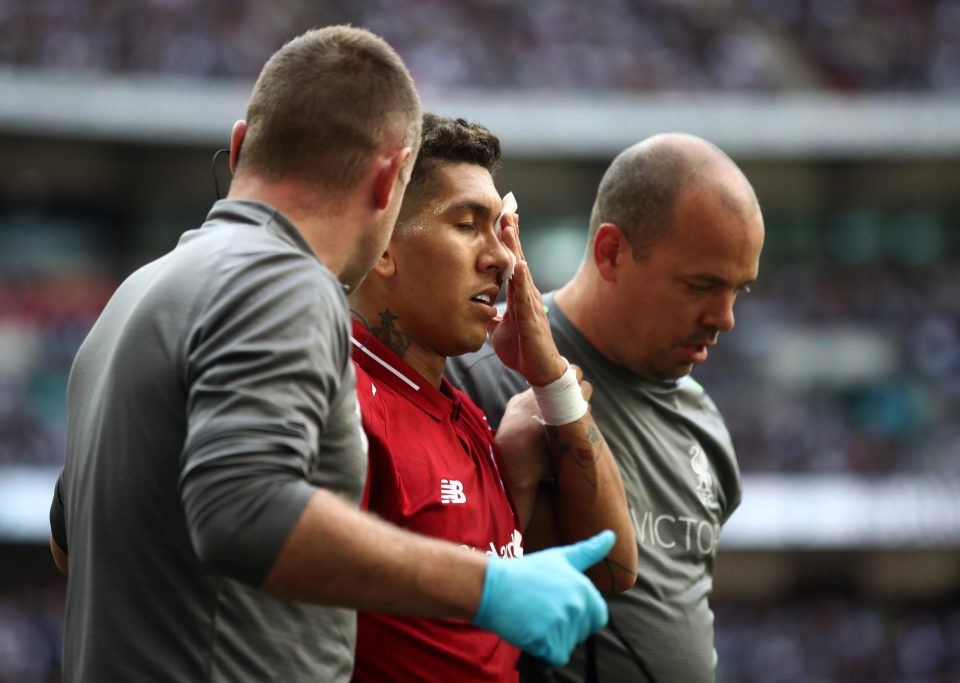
469,345
351,279
673,373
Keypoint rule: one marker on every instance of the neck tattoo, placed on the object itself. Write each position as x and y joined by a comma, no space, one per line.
390,336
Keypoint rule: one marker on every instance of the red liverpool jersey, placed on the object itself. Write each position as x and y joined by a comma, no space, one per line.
434,469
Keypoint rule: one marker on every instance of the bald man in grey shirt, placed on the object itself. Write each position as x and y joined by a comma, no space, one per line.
675,236
661,433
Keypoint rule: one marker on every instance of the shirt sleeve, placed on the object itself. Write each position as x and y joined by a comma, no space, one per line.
264,364
382,483
58,519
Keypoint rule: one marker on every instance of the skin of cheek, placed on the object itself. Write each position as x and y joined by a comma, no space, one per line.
416,225
413,226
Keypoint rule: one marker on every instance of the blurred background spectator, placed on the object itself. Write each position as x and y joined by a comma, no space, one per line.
846,356
743,45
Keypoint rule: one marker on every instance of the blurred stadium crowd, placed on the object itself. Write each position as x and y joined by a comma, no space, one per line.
846,356
827,638
742,45
844,370
819,639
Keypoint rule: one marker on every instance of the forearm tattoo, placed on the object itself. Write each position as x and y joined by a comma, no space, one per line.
585,446
392,338
613,569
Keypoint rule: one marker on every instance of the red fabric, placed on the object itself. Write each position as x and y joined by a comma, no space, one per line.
425,445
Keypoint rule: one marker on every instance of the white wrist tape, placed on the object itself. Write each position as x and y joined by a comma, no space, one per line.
561,402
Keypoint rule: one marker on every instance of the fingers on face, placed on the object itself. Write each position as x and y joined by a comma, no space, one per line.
520,283
510,225
523,289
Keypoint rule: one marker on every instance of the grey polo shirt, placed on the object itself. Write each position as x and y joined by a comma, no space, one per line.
212,397
682,483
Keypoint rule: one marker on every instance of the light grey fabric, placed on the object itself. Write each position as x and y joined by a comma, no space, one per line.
210,399
682,482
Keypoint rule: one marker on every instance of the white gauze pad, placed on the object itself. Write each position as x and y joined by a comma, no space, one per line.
509,206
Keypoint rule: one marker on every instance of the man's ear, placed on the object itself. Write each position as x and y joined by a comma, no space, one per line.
236,139
385,184
610,247
385,266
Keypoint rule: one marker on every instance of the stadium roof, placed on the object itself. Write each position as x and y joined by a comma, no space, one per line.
530,124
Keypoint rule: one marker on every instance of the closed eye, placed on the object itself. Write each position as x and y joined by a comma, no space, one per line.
705,287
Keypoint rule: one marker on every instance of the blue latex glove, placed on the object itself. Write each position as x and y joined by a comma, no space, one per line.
542,602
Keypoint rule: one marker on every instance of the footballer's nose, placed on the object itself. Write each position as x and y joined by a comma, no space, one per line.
496,255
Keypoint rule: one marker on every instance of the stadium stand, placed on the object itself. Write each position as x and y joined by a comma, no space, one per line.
844,367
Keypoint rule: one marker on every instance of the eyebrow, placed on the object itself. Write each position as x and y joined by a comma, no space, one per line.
471,205
715,280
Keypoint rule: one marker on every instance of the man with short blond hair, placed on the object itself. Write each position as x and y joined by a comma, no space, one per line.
295,127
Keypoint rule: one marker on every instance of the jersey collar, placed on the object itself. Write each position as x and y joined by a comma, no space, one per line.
385,366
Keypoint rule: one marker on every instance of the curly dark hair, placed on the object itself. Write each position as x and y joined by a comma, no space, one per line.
456,141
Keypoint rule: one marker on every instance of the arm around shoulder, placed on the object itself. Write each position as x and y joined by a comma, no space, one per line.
337,554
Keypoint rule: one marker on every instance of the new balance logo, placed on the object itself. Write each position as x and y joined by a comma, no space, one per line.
451,491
